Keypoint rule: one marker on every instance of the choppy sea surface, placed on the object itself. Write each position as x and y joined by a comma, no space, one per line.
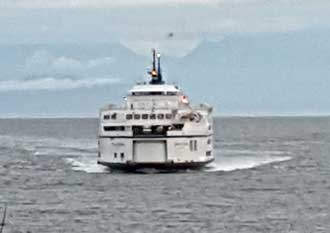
270,175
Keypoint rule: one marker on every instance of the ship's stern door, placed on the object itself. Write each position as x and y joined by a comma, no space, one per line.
149,151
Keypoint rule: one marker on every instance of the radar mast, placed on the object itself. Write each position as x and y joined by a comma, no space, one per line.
156,73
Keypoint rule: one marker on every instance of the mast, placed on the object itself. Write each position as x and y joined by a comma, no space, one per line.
153,60
159,69
155,73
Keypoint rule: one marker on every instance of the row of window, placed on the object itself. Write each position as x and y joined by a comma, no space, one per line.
148,93
151,116
113,116
193,145
122,155
123,128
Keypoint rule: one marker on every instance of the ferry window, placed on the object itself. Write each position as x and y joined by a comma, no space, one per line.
168,116
209,141
195,145
114,128
155,93
171,93
115,155
122,155
191,145
106,117
129,116
178,126
137,116
208,153
144,116
113,116
160,116
152,116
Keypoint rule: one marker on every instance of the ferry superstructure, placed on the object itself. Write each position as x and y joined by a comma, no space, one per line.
155,127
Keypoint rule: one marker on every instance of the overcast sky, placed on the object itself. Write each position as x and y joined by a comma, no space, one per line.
176,27
147,23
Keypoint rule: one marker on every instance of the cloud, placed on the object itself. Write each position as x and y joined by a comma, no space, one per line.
66,65
43,63
100,62
136,3
193,24
142,3
98,3
175,48
145,23
53,84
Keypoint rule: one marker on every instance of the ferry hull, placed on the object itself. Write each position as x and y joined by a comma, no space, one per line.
167,166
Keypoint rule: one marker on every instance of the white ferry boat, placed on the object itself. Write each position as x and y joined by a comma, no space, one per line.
155,127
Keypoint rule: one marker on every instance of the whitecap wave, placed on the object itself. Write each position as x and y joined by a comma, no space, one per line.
88,165
50,146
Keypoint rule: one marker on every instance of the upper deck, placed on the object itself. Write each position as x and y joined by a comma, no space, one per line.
154,89
155,97
155,109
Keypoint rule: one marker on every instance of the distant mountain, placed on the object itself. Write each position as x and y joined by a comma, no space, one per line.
250,74
268,73
104,59
62,62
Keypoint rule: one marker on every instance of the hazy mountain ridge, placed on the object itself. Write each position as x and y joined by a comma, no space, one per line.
18,59
261,72
240,73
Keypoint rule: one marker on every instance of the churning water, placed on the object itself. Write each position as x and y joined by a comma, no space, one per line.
270,175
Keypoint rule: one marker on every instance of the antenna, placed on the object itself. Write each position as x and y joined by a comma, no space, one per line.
159,69
153,72
156,75
153,59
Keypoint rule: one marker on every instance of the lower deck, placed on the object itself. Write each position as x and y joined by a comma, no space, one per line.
167,166
153,152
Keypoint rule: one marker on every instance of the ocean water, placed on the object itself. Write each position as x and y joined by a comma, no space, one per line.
270,175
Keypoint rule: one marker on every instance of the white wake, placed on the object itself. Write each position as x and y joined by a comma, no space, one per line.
88,165
231,163
226,163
